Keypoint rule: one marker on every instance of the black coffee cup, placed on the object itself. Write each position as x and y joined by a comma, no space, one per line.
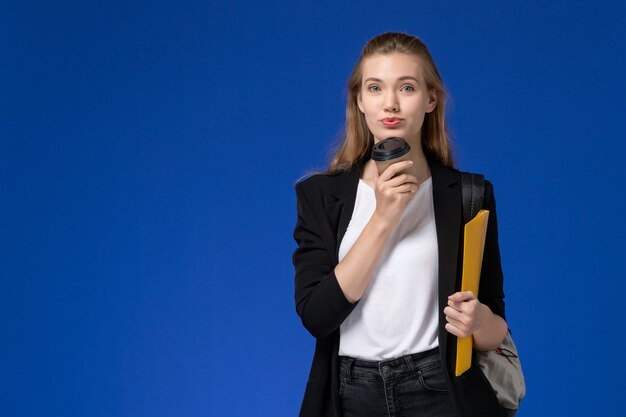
389,151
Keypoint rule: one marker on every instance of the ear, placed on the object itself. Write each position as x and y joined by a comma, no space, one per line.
359,102
432,101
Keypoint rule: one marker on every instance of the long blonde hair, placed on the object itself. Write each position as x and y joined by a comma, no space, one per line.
356,140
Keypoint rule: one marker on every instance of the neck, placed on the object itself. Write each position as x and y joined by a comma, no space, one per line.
420,168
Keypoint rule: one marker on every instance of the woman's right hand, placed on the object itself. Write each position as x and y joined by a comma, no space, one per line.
393,192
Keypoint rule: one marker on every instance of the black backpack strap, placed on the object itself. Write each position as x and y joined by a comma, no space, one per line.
473,189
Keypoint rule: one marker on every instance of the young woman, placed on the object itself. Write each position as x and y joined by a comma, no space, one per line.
376,267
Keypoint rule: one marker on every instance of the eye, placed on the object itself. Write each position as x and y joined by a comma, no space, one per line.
373,88
407,87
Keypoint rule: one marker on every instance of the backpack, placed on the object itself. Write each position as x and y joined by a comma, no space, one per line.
501,366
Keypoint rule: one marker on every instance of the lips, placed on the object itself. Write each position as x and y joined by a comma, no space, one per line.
391,121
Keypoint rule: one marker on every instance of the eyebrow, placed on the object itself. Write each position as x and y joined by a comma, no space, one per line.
378,80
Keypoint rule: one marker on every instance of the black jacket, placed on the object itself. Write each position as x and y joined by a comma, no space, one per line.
325,204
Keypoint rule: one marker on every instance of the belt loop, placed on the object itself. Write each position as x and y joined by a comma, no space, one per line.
409,362
349,364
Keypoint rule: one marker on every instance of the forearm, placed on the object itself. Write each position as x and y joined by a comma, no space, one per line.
491,333
356,268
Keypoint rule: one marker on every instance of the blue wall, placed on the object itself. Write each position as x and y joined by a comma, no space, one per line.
143,274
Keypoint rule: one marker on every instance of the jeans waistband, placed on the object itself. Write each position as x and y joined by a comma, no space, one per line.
390,368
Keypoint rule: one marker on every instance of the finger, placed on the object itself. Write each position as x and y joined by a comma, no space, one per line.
454,297
394,168
402,178
457,305
457,331
453,313
393,192
462,296
406,188
468,307
460,320
459,325
451,328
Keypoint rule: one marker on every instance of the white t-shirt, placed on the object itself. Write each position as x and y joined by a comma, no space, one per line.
398,312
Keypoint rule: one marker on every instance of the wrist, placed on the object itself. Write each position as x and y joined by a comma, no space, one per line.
380,223
491,332
485,324
486,317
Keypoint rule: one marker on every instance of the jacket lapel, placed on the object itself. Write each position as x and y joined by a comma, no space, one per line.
341,203
448,212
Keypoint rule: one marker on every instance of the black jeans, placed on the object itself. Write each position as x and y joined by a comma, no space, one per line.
408,386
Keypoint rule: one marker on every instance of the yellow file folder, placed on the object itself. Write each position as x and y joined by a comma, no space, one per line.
473,247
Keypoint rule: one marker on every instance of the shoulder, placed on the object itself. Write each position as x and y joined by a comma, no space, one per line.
458,174
488,193
322,183
318,180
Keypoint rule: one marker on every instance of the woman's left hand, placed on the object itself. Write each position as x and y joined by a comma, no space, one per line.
465,314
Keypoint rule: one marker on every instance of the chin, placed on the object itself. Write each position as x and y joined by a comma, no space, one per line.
390,133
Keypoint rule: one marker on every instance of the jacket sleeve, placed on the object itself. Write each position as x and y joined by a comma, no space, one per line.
320,302
491,290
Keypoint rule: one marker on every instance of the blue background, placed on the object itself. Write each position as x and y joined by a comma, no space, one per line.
145,274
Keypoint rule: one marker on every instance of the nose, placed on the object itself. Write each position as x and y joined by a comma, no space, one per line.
391,102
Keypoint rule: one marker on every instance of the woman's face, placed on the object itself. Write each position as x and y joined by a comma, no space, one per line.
393,96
